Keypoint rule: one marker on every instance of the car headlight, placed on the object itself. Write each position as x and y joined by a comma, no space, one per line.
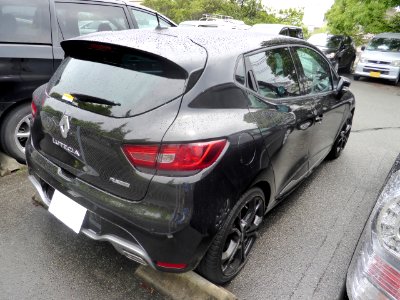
330,55
375,272
395,63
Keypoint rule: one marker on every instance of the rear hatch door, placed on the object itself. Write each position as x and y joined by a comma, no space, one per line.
101,98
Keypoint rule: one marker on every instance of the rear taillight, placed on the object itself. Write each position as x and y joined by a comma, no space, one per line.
384,276
175,157
34,109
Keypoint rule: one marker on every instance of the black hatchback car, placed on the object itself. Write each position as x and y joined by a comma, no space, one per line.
339,49
30,51
173,146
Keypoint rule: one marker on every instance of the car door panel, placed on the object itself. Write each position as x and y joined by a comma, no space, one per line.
284,117
26,51
316,78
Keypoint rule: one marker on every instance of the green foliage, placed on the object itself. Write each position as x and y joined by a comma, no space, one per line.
249,11
358,17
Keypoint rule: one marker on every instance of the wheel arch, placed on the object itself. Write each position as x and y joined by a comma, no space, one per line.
10,108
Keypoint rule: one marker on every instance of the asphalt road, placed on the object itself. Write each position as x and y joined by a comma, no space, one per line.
304,248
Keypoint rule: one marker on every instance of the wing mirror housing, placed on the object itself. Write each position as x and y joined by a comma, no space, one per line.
343,82
362,48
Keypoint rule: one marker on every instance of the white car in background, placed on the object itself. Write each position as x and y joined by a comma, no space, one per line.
216,21
380,58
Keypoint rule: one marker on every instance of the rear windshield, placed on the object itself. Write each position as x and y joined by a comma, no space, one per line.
327,41
384,44
122,87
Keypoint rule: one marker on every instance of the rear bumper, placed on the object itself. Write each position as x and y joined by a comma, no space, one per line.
385,71
132,236
132,250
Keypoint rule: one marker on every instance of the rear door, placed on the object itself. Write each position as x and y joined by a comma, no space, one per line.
26,58
284,116
100,99
76,18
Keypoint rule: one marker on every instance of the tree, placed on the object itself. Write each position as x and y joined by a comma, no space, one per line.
358,17
250,11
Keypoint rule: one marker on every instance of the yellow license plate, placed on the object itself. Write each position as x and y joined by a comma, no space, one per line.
375,74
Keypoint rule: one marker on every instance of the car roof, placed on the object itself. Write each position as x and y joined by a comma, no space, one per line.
187,47
395,35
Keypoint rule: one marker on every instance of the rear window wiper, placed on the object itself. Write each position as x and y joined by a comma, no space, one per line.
91,99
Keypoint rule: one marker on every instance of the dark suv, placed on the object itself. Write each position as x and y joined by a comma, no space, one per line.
30,51
172,146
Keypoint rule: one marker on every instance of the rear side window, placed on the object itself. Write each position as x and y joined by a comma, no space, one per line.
240,72
119,84
147,19
25,21
275,73
79,19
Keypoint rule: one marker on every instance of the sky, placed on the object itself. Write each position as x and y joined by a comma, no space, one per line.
314,10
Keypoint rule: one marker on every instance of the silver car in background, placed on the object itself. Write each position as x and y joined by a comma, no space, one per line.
381,58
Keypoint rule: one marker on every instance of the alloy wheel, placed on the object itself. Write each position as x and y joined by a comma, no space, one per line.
22,132
344,136
242,236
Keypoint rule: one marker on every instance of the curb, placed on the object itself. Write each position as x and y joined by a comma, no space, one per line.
183,286
8,165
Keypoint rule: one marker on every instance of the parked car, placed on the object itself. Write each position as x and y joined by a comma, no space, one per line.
374,272
340,49
175,159
288,30
30,36
216,21
380,58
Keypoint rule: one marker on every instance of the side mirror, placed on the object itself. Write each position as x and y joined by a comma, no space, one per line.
362,48
343,82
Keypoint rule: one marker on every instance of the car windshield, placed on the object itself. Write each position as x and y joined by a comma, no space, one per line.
328,41
384,44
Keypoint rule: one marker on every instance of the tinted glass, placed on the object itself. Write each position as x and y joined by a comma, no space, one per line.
284,31
147,19
316,71
25,21
79,19
275,73
324,40
133,82
384,44
240,72
297,33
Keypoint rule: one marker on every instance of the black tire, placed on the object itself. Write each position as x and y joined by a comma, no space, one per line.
396,82
13,139
356,77
230,249
341,140
348,69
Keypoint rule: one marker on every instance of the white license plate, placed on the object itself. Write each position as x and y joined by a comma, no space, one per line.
67,211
